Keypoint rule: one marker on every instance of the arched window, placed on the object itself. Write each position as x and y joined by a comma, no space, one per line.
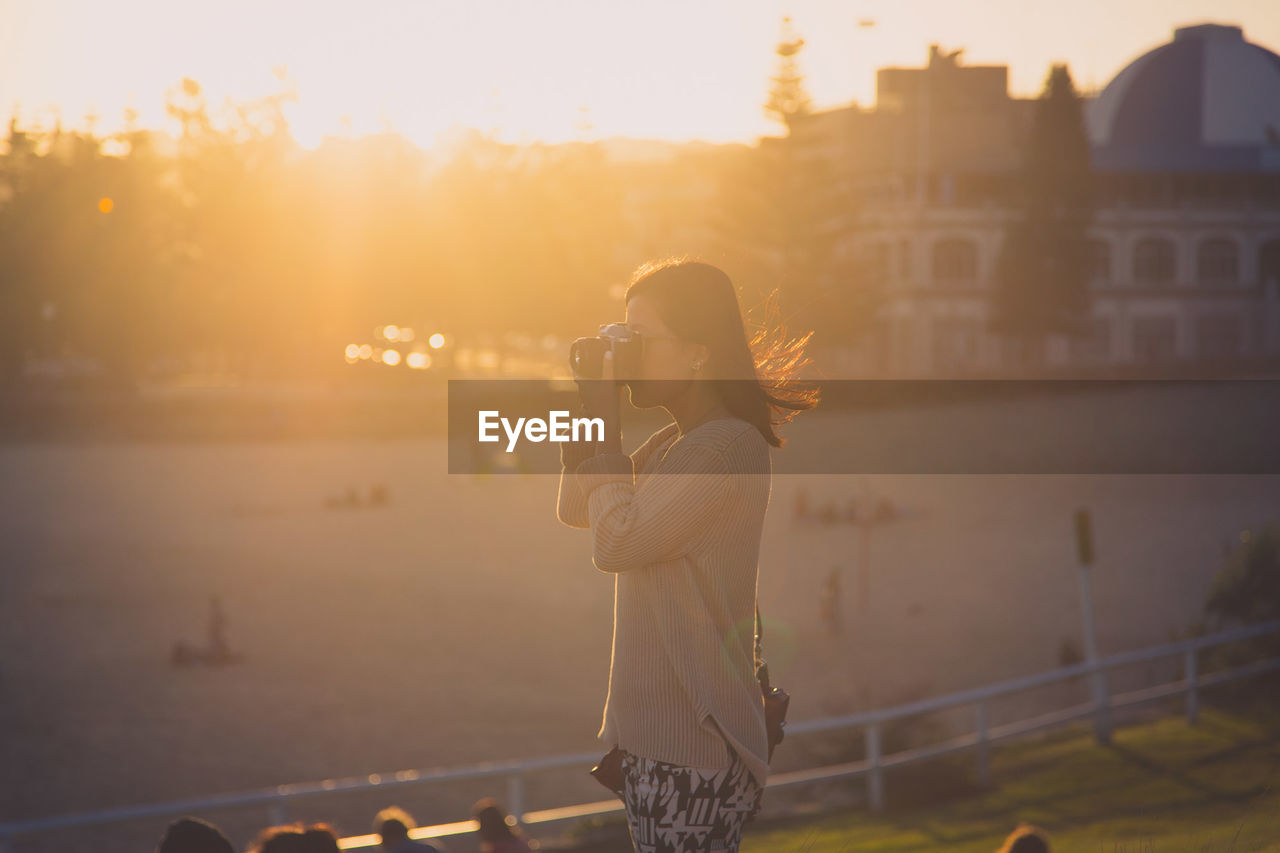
1099,262
1155,339
955,260
1217,262
1153,261
1269,263
876,260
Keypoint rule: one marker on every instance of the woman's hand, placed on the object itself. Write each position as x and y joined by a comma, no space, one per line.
599,398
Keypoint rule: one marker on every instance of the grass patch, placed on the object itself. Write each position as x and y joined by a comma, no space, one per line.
1160,786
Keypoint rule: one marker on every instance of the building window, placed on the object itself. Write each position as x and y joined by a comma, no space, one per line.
1218,336
1153,261
1269,264
954,341
1217,262
877,260
1155,339
1099,262
1095,347
955,260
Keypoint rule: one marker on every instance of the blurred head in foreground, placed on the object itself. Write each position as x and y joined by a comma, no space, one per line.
193,835
496,831
296,838
1026,839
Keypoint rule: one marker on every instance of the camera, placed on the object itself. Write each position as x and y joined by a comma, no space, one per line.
586,355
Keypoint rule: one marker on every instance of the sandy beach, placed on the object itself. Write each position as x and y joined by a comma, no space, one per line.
461,623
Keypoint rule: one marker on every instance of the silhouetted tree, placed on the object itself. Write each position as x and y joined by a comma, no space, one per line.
1042,281
19,294
788,97
784,216
1247,587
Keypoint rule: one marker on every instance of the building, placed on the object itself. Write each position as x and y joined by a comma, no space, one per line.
1185,240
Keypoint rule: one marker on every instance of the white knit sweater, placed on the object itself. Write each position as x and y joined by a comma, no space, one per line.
678,523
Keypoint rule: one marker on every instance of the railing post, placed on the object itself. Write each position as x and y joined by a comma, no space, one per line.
1192,699
1098,679
1101,704
875,776
984,765
515,797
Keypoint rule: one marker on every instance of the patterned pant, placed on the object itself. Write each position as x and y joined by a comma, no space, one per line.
674,809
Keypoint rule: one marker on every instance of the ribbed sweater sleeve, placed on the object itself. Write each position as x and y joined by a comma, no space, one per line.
679,527
571,503
659,520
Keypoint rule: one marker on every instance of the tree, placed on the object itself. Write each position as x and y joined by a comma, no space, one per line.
19,295
1042,277
788,98
1247,587
783,214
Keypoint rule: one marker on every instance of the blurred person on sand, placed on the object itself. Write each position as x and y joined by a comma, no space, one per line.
497,835
392,826
219,650
678,524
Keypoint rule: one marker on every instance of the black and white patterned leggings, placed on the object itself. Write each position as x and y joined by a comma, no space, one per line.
674,809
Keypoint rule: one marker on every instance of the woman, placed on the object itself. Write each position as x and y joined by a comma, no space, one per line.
678,523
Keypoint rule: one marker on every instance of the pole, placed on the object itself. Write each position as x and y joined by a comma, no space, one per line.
1098,677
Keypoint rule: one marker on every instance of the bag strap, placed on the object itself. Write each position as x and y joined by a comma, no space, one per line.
762,666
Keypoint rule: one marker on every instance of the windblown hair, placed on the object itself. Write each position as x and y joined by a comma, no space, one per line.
755,378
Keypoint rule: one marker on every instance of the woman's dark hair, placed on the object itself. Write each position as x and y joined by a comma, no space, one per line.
755,379
492,820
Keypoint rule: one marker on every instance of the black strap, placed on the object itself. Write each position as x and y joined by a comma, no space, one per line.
762,667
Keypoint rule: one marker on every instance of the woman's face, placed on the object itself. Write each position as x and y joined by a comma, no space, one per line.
666,364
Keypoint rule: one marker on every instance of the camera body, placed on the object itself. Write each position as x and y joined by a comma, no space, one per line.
586,355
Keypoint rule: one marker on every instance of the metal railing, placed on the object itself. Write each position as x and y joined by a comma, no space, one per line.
873,766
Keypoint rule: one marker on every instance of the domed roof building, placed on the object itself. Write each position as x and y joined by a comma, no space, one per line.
1184,242
1208,101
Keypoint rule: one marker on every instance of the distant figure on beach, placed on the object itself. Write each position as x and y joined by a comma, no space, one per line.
851,511
496,835
1026,839
193,835
218,648
392,826
217,652
296,838
885,510
830,608
802,504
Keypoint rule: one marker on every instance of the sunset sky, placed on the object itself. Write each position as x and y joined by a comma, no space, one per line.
548,69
